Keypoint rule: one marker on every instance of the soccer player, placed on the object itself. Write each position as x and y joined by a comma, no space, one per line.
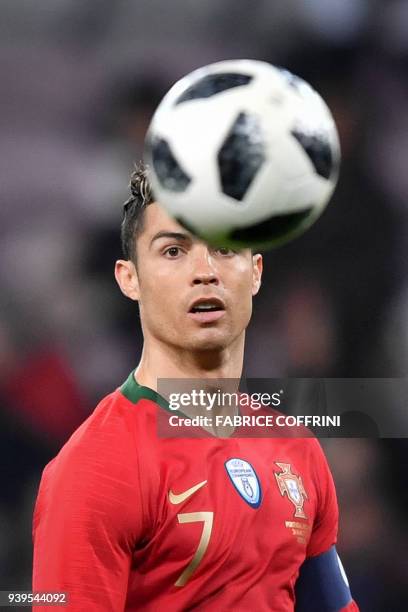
128,520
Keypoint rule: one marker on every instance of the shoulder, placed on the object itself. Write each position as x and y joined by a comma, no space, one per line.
106,440
313,447
99,463
94,482
307,449
112,417
312,455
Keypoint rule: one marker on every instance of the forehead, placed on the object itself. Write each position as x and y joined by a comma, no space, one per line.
156,219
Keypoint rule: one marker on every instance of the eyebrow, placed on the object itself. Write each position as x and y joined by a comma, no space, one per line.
173,235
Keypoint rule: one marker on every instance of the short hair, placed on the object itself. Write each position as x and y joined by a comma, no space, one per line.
133,210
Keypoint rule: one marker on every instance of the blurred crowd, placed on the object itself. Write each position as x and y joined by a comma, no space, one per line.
79,84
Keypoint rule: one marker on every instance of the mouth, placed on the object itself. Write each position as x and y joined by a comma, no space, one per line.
207,310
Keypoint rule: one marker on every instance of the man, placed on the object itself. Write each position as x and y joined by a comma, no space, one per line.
126,520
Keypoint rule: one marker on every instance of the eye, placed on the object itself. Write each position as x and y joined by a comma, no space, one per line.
225,251
172,252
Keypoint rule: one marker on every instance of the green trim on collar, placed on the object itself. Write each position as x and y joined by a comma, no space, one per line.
135,392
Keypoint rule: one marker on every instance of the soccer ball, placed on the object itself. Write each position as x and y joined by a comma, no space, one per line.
243,154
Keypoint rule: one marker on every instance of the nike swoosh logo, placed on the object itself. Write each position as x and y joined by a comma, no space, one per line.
177,499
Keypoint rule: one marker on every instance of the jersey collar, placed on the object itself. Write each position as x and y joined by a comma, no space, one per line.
135,392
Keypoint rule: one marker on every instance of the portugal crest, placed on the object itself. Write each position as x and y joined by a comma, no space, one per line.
292,485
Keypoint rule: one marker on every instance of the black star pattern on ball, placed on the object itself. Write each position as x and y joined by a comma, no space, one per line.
273,228
317,148
213,84
241,156
168,170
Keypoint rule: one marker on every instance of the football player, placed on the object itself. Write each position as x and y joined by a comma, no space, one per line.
128,520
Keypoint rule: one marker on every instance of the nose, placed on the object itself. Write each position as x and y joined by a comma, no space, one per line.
204,270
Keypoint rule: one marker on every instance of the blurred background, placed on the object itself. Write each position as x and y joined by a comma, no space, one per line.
79,83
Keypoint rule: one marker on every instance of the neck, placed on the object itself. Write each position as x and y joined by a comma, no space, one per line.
161,360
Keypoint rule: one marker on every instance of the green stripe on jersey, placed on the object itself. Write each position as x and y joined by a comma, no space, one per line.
135,392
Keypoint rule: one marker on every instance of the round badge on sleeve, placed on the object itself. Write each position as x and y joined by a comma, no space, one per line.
245,481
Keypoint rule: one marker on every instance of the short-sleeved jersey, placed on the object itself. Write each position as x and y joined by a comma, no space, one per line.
126,520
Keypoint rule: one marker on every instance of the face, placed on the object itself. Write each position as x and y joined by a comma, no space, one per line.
190,295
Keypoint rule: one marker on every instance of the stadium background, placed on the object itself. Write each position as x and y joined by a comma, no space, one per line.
79,82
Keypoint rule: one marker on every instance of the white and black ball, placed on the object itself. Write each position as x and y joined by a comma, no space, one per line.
243,154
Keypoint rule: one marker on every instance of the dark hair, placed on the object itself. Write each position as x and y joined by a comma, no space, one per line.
133,210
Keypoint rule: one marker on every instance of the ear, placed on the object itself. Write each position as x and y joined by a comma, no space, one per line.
127,278
257,267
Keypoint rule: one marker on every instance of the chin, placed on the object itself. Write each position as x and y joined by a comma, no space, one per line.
206,347
210,340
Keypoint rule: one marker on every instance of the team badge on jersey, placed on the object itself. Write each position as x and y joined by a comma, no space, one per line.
292,485
245,481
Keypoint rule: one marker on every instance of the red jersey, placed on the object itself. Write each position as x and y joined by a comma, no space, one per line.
126,520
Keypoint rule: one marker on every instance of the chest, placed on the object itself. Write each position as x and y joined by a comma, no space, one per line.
240,504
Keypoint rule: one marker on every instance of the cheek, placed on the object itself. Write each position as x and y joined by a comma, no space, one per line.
242,298
154,285
159,299
247,306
